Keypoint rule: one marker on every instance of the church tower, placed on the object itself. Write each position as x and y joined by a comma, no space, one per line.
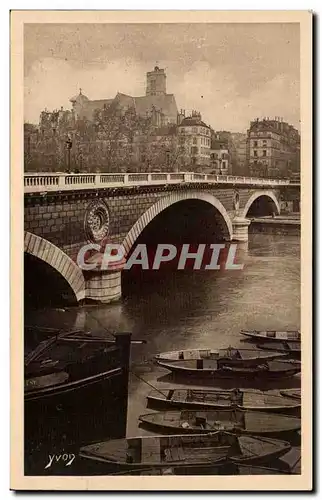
156,82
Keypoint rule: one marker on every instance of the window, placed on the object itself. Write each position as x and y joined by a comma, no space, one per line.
264,143
255,144
194,130
255,153
195,140
264,152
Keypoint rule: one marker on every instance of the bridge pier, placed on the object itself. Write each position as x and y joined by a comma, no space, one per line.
240,229
103,286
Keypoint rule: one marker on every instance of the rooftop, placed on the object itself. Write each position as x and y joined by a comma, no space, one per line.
190,121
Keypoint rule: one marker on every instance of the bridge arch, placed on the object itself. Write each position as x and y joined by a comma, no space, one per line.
58,260
256,196
166,202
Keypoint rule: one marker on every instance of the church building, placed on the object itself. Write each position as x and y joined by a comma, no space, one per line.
156,103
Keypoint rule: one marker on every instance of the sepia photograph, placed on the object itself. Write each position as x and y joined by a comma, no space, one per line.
161,187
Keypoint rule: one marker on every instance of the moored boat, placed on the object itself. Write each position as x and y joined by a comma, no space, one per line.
229,356
197,449
221,399
273,335
283,347
212,369
235,421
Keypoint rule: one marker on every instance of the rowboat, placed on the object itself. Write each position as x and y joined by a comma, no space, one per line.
211,368
283,347
268,335
239,421
229,356
197,449
217,399
291,393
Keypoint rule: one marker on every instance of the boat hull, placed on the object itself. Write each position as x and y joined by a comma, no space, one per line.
248,357
284,350
104,455
250,423
155,400
228,373
274,336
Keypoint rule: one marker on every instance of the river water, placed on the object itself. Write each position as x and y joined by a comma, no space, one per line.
189,309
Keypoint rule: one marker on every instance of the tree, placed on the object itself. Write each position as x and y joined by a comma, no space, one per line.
159,149
115,129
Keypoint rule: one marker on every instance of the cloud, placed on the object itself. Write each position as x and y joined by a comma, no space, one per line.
52,82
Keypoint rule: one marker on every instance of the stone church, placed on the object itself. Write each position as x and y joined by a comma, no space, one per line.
157,104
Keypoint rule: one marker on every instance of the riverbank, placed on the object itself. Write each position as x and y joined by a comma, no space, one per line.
289,224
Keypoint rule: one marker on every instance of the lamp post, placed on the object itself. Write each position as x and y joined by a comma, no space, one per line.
69,144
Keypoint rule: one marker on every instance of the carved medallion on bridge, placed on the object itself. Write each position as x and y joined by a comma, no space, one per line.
97,221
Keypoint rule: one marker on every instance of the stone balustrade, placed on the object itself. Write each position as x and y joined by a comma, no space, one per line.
42,182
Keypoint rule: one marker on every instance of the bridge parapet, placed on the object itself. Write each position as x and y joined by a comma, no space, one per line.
39,182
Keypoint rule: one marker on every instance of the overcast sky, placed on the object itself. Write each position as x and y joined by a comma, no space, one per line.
231,73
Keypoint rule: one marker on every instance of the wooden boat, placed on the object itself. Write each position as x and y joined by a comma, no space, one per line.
284,347
197,450
239,421
221,399
291,393
65,377
229,356
275,335
211,368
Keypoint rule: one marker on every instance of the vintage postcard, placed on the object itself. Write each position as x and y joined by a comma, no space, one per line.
161,250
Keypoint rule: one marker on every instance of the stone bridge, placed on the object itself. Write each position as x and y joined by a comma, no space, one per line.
63,212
